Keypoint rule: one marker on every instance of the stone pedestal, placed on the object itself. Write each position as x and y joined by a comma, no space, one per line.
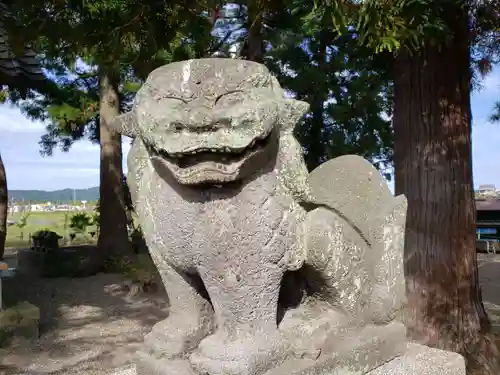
361,349
372,350
418,360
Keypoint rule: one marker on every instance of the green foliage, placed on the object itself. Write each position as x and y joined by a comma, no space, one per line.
485,33
80,222
96,216
495,117
131,39
23,220
389,25
124,38
348,87
336,55
139,270
384,25
57,221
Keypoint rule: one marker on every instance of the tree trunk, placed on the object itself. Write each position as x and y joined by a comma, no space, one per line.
4,201
315,142
432,128
113,235
255,42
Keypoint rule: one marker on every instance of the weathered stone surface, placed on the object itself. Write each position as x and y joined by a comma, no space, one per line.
359,350
232,217
422,360
361,228
416,360
148,364
129,370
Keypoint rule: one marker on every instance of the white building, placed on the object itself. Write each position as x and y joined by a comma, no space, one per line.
488,190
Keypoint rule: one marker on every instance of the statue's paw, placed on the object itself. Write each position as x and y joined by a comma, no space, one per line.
177,335
247,353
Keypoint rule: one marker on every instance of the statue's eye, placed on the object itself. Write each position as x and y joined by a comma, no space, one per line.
230,98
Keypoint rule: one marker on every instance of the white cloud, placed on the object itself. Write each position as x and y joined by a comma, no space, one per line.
83,171
491,83
27,169
13,121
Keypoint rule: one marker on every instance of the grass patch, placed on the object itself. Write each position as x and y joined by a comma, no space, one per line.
55,221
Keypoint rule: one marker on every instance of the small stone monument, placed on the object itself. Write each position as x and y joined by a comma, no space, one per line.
269,269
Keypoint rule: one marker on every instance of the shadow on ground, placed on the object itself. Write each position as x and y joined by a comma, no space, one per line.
88,325
489,278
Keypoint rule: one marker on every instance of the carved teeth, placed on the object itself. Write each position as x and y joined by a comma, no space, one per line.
222,150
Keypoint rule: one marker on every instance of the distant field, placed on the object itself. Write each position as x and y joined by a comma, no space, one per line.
54,221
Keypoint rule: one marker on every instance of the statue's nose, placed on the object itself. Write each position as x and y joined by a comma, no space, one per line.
202,120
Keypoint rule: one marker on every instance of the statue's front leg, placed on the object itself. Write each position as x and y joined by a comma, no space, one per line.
247,341
190,317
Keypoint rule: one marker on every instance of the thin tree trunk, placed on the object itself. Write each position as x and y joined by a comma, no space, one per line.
113,236
4,201
432,127
315,146
255,42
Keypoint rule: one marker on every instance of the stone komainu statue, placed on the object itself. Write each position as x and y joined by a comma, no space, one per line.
269,269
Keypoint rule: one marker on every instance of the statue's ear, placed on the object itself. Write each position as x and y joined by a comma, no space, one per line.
125,124
291,112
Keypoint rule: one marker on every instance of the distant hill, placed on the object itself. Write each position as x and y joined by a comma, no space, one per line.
62,196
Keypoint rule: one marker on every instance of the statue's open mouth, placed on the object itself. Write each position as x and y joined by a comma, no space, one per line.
218,164
219,156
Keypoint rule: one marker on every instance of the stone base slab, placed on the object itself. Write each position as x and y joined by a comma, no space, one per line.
422,360
418,360
359,349
149,365
129,370
363,355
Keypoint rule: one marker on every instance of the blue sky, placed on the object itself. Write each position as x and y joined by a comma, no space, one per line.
78,168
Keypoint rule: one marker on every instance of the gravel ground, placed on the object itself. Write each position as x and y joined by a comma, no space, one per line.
89,325
489,278
92,326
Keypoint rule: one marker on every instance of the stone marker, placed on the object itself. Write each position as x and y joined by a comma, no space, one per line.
269,269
